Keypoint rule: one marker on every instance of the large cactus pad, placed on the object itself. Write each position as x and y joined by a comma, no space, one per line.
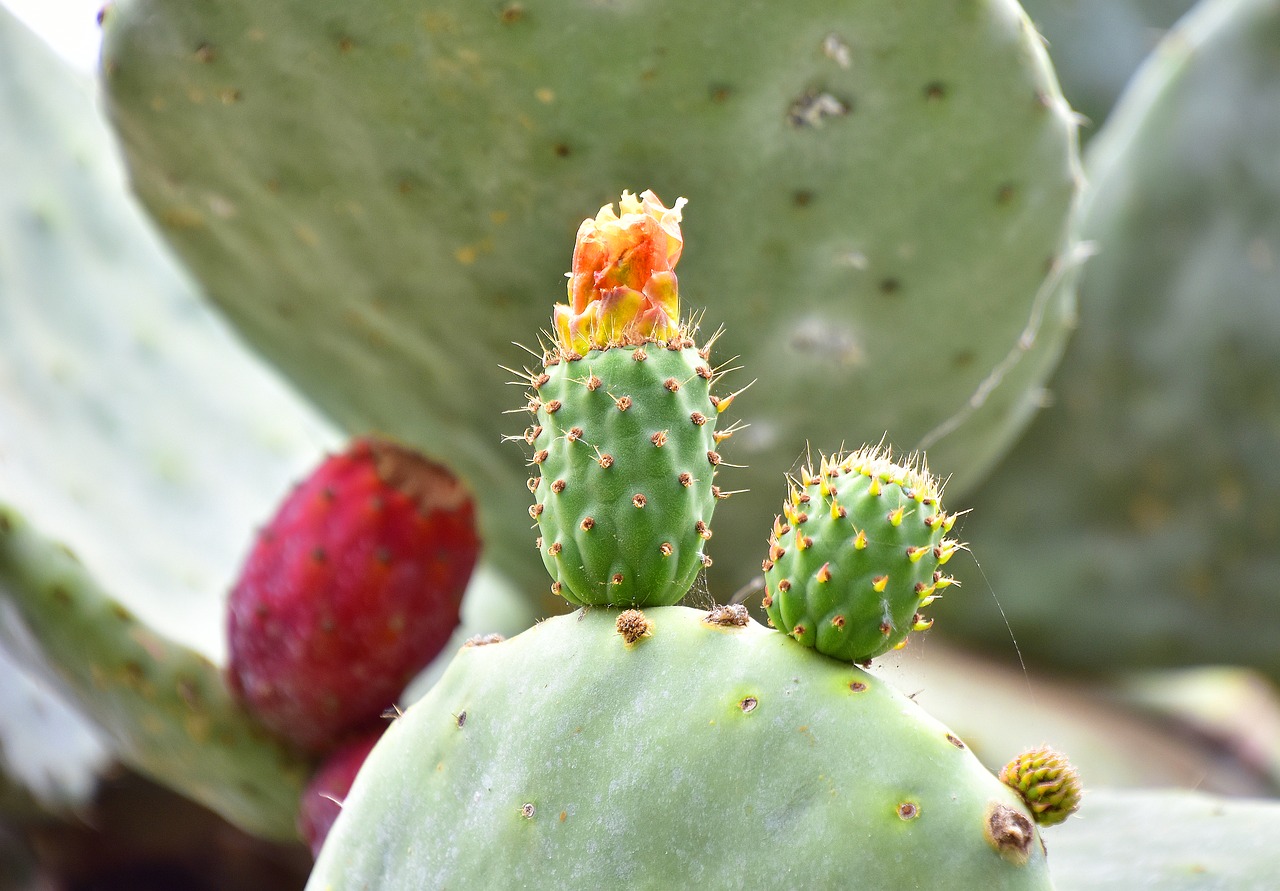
697,755
363,188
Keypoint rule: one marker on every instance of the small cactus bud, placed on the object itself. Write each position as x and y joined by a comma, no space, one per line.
1047,783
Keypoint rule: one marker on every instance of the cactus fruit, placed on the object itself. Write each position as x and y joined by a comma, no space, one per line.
322,799
692,758
349,591
624,436
857,553
1047,783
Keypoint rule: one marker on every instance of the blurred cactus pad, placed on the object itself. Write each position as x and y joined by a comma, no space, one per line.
1151,537
379,196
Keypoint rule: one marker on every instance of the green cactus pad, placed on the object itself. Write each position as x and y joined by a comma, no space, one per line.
138,433
1173,840
1153,535
165,706
372,195
857,553
705,754
625,456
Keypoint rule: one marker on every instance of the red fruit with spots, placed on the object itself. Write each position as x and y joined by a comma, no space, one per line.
322,799
351,589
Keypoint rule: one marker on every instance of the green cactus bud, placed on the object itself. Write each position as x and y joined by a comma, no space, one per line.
857,554
624,436
1047,783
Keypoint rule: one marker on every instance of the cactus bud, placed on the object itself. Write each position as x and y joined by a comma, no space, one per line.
1047,783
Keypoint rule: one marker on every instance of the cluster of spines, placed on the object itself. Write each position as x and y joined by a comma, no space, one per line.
813,492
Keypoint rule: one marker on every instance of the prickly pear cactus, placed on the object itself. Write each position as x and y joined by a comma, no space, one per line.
856,554
362,194
1152,536
572,758
624,436
165,706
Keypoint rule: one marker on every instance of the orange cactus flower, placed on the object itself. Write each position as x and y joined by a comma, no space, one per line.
622,289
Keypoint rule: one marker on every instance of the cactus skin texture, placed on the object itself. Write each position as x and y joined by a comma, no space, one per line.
623,496
856,554
572,759
361,193
1047,783
1152,539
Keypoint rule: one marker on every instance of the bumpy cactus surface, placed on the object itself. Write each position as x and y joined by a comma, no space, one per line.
703,754
364,194
624,436
856,554
1047,783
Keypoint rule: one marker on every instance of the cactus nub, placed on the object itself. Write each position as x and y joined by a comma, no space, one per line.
624,440
1047,782
857,554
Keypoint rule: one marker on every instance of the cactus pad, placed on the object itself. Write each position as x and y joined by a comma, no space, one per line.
361,192
704,755
165,706
1154,467
857,553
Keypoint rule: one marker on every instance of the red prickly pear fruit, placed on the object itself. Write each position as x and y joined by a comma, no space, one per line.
351,589
322,799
